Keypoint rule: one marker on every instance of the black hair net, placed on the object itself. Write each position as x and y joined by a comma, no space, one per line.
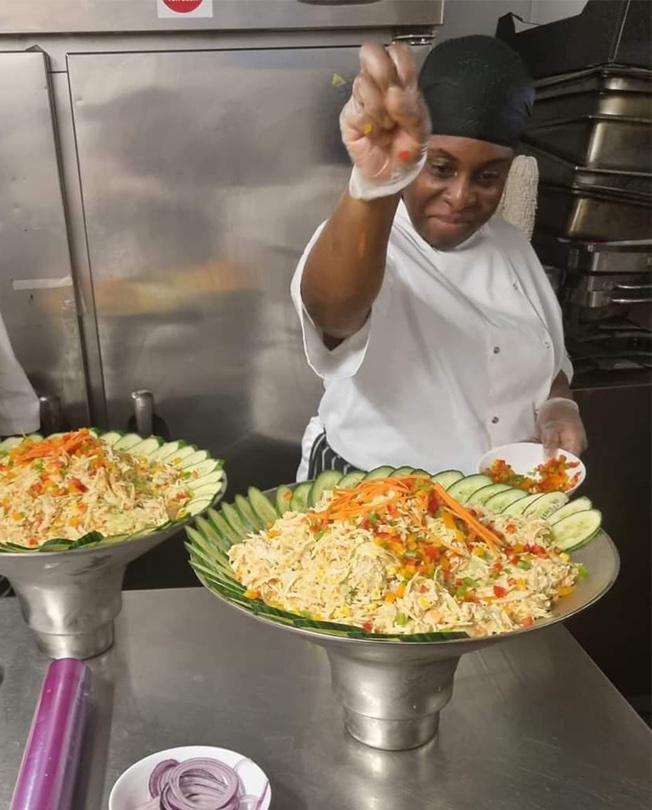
477,87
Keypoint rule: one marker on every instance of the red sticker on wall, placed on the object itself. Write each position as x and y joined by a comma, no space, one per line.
183,6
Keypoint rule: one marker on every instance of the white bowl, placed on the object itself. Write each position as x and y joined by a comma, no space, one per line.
523,457
131,788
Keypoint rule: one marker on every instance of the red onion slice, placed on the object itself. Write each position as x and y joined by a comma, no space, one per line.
157,780
199,784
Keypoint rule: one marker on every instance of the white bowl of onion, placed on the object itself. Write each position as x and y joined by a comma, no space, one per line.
165,781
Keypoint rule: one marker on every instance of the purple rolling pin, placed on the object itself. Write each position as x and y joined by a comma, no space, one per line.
46,778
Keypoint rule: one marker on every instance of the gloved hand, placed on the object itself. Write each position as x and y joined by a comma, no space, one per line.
560,427
385,124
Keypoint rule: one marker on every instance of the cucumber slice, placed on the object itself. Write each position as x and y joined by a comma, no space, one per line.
379,472
519,506
247,513
193,459
210,478
545,505
463,489
262,506
576,530
498,503
283,499
235,521
204,491
182,453
300,496
146,447
210,532
10,443
578,505
351,479
325,480
204,467
482,495
167,450
402,471
110,438
447,477
196,505
128,441
223,527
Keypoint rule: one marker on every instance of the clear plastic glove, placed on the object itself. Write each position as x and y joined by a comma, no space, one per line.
385,124
560,427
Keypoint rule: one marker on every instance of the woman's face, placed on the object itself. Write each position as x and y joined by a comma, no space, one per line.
458,189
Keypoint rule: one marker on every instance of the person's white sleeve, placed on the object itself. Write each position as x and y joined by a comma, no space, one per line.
567,366
19,405
329,364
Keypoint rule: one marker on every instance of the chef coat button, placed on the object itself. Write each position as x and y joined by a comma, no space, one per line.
546,344
496,349
495,420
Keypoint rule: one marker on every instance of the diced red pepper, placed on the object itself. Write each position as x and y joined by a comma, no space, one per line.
79,485
433,503
499,591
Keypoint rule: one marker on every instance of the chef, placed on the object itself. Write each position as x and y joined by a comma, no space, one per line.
429,319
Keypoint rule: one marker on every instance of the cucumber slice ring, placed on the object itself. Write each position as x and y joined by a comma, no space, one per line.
209,559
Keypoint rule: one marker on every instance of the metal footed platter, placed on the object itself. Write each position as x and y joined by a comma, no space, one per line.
392,687
70,591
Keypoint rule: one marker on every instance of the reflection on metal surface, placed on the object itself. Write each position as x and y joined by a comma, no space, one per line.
533,722
52,420
204,175
36,292
70,598
110,16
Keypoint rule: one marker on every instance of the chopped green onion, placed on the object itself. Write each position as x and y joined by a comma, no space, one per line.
401,618
524,564
582,570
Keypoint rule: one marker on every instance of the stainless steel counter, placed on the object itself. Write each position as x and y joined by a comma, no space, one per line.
532,724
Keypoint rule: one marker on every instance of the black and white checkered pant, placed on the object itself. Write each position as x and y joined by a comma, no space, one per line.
323,457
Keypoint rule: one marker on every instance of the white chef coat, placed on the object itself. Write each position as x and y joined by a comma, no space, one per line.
19,405
460,350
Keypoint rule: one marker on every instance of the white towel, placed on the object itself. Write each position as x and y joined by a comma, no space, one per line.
518,205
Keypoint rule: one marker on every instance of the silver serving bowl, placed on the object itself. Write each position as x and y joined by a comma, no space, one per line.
70,598
392,691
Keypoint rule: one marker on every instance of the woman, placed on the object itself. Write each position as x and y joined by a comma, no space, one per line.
432,324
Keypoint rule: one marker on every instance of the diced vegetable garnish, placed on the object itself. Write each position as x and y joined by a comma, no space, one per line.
554,475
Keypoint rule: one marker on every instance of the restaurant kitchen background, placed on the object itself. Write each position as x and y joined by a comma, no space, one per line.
161,173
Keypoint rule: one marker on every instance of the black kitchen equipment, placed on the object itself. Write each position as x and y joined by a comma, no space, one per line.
605,32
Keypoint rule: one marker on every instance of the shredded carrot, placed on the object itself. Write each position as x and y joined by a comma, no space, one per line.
457,509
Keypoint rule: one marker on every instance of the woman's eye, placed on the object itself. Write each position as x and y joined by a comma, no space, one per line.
489,178
442,169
